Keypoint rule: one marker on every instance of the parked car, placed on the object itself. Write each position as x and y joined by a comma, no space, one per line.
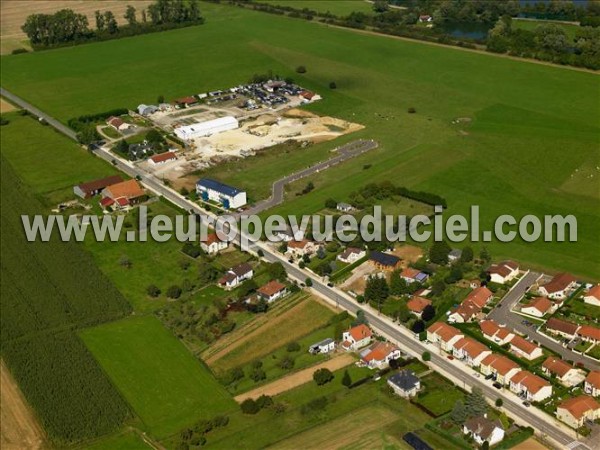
526,404
450,357
497,385
489,377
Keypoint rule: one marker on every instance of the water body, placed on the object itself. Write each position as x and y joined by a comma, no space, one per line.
465,30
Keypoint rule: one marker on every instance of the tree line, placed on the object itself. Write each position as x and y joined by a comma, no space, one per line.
66,27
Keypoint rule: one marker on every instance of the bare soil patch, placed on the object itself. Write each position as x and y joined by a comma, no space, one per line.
19,428
358,280
297,378
408,254
530,444
5,106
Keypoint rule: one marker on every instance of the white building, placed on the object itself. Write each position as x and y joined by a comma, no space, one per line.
483,429
228,196
503,272
356,337
593,296
207,128
212,244
325,346
405,383
530,386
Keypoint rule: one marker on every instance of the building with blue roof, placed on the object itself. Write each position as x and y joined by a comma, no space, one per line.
228,196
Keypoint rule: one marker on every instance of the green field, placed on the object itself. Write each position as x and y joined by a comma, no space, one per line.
509,159
531,25
167,388
338,8
123,441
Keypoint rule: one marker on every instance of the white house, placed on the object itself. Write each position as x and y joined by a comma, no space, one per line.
503,272
575,411
207,128
559,287
236,275
405,383
301,248
470,351
325,346
592,384
379,355
344,207
443,334
411,275
530,386
539,307
272,291
212,244
228,196
351,255
592,297
356,337
525,349
117,123
482,429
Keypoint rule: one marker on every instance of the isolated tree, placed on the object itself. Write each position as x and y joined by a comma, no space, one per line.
438,252
361,319
144,19
160,99
174,292
153,291
330,203
499,402
130,15
322,376
111,22
293,347
193,12
426,356
459,413
249,406
332,85
100,22
475,403
346,379
398,285
308,282
301,69
467,255
264,401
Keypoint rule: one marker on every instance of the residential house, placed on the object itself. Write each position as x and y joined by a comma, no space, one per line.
503,272
298,249
592,297
443,334
351,255
559,287
212,244
384,261
379,355
484,430
471,306
356,337
236,275
592,384
162,158
454,255
525,349
417,304
575,411
92,188
539,307
589,333
225,195
139,151
272,291
123,194
495,333
325,346
500,367
117,123
405,383
344,207
561,328
530,386
146,110
565,373
470,351
411,275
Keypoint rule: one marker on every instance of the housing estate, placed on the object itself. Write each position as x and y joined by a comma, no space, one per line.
500,367
417,304
592,297
530,386
565,373
539,307
559,286
469,350
495,333
471,306
443,334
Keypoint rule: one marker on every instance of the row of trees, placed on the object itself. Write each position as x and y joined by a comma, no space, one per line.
68,27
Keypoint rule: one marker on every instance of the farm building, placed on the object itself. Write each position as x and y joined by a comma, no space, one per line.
91,188
207,128
405,383
227,196
162,158
123,194
146,110
186,102
325,346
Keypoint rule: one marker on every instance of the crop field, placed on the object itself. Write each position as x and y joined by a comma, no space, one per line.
123,441
165,385
509,158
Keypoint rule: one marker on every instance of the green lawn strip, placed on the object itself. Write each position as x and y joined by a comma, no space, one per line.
340,8
127,440
166,387
439,395
341,274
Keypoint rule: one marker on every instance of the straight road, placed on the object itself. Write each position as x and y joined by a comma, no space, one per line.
344,153
454,370
503,314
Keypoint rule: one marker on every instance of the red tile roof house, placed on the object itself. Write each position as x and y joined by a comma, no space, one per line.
539,307
117,123
91,188
236,275
379,355
530,386
565,373
272,291
123,194
301,248
417,304
356,337
351,255
212,244
162,158
495,333
503,272
502,368
592,297
575,411
470,351
589,333
443,334
525,349
561,328
471,305
411,275
559,287
592,384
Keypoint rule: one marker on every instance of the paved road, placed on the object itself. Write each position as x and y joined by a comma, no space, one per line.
503,314
455,370
344,153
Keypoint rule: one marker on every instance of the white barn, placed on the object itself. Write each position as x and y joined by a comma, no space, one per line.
207,128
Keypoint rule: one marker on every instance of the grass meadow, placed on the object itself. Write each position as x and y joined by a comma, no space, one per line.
164,384
530,146
338,8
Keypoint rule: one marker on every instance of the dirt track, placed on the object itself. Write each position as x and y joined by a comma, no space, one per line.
19,428
6,106
296,379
